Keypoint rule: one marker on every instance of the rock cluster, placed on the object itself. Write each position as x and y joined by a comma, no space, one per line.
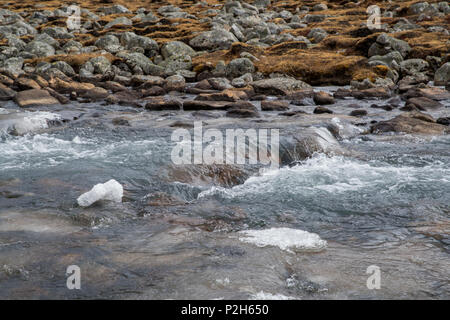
226,53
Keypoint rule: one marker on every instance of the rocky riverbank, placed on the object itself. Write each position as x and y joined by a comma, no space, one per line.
227,54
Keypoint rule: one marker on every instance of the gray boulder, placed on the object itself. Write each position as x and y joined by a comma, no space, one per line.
13,65
44,37
64,67
109,43
239,67
130,40
176,48
213,40
317,34
119,21
58,32
176,63
114,9
39,49
279,86
413,66
385,44
442,75
136,61
175,83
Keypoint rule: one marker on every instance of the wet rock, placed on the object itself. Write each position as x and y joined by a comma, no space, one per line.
442,75
444,121
113,86
95,94
26,83
358,113
323,98
163,103
34,97
144,82
125,98
189,105
274,105
279,86
320,110
433,93
242,81
305,143
215,174
411,122
6,93
119,121
242,109
226,95
67,87
424,103
239,67
62,99
220,83
379,92
163,199
175,83
385,107
213,40
153,91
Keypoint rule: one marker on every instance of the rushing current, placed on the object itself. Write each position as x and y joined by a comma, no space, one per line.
176,234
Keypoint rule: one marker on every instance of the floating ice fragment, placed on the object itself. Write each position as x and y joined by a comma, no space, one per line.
268,296
111,190
285,238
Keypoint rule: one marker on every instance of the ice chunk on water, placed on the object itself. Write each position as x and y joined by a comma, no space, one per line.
268,296
110,190
285,238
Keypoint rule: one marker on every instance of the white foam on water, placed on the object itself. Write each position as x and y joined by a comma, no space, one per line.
110,190
4,111
333,175
287,239
47,150
27,121
269,296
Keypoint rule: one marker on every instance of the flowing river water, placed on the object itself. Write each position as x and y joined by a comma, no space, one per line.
383,201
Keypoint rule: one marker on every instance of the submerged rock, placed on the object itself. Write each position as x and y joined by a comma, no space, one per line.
306,143
286,239
34,97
